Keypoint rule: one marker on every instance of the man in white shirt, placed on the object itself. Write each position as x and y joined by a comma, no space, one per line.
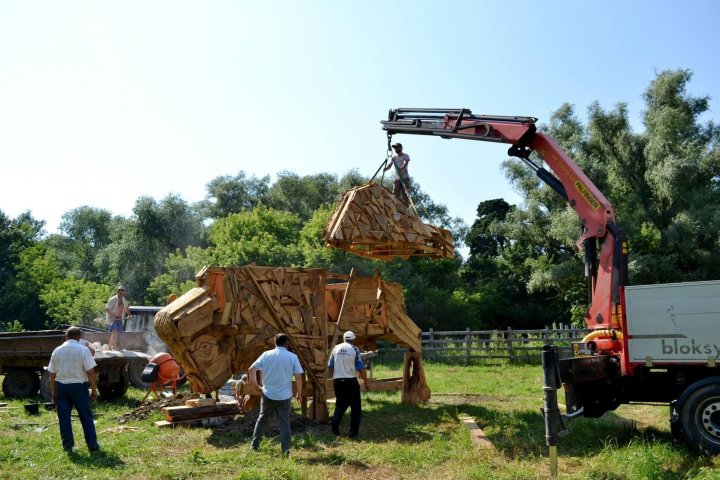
345,363
401,183
116,309
71,369
278,367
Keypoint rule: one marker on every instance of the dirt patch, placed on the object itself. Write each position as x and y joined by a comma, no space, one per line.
245,424
146,409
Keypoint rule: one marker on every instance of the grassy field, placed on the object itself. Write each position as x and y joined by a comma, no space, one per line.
396,441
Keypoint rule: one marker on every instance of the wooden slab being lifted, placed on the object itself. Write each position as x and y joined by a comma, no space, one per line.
372,222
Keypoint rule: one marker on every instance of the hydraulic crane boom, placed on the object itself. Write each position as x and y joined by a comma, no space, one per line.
608,273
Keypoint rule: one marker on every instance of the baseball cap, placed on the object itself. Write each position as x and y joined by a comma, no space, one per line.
396,145
120,287
349,335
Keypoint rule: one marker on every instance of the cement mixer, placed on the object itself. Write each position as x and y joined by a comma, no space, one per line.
162,372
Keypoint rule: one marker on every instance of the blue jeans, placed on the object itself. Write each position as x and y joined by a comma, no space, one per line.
282,409
116,325
75,395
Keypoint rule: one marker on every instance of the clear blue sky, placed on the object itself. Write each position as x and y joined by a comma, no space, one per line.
103,102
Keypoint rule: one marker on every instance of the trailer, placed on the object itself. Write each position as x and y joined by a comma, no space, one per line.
24,357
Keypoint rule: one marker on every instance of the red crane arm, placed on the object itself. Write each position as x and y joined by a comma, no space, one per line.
608,271
594,210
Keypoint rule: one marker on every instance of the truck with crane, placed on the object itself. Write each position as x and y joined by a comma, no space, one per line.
648,343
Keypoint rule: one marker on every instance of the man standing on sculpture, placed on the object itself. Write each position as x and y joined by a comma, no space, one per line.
345,363
116,310
401,182
71,369
278,367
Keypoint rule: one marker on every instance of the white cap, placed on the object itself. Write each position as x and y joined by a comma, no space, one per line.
349,335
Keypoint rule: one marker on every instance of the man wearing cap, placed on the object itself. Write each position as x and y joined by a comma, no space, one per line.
345,363
401,183
71,369
278,366
116,309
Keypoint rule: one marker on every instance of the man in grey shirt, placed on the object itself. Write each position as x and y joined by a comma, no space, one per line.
401,181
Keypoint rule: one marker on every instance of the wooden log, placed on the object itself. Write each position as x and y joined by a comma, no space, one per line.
415,387
180,413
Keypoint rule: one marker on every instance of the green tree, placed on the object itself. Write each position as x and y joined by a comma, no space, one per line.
24,266
264,236
140,244
87,230
180,274
228,194
303,195
662,182
73,301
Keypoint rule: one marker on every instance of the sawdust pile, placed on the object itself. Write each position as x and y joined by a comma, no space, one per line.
146,409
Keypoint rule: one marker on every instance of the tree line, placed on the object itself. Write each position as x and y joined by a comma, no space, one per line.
523,269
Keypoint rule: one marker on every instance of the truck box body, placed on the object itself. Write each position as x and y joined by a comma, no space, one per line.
674,322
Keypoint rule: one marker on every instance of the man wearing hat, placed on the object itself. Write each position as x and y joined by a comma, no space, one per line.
116,309
345,363
401,183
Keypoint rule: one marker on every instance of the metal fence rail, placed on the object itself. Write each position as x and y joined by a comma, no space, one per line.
473,345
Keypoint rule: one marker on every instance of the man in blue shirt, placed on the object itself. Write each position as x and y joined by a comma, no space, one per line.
345,362
278,367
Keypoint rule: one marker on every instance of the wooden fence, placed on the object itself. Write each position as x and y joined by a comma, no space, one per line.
472,345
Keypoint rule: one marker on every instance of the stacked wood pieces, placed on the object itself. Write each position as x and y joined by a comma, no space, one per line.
186,326
220,327
372,222
402,330
187,414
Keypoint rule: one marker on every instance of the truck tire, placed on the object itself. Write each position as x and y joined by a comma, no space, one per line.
135,369
700,419
113,391
20,382
45,387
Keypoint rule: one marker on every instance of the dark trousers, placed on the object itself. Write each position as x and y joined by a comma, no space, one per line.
269,406
347,394
76,395
401,189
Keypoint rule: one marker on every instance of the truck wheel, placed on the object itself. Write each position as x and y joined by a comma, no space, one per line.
21,382
113,391
700,417
135,370
45,387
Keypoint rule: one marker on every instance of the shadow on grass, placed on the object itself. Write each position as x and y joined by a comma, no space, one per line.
515,434
101,459
333,458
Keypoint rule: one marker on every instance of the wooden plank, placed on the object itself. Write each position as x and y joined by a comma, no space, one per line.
477,436
200,402
196,318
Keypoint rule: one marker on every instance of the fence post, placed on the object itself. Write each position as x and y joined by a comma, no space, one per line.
546,336
468,343
509,342
430,345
